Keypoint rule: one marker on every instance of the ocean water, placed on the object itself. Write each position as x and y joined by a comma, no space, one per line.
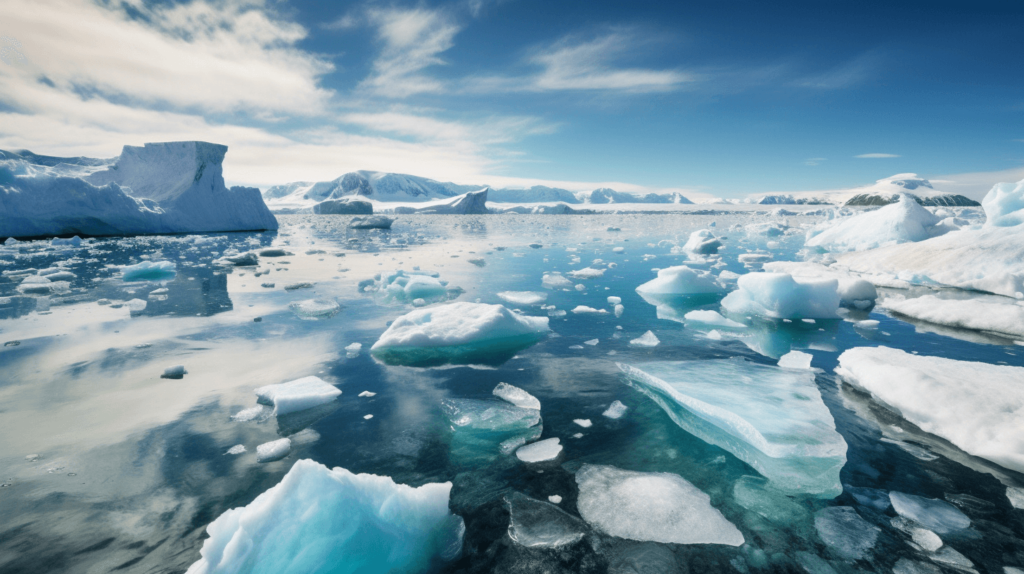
105,466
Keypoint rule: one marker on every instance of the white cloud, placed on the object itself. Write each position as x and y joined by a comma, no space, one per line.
976,184
411,40
227,56
487,131
876,156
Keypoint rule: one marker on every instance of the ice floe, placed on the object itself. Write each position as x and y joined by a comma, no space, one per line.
648,339
149,271
853,291
1000,317
297,395
516,396
540,451
845,532
273,450
936,515
537,524
615,410
782,296
315,309
523,297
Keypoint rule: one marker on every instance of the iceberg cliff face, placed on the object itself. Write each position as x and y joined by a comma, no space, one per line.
174,187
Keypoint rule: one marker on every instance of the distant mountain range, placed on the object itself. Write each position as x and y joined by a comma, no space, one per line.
882,192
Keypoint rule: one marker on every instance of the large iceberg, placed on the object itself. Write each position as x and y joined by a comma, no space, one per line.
978,407
463,333
651,506
334,521
174,187
783,296
901,222
772,418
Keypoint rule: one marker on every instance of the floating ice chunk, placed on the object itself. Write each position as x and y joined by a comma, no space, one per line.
367,394
136,305
540,451
315,309
523,297
754,257
933,514
681,280
554,498
587,273
516,396
252,413
584,309
905,566
537,524
371,222
555,281
853,291
754,494
648,339
367,417
75,241
782,296
458,332
615,410
1004,318
175,372
237,449
619,309
901,222
796,360
149,271
867,325
320,520
489,415
845,532
353,349
976,406
585,423
273,450
403,287
951,557
702,242
771,418
614,300
1004,205
650,506
297,395
712,318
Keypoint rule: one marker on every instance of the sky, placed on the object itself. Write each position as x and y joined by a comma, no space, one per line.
725,98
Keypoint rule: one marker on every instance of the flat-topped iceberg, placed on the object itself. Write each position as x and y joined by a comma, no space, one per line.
681,280
334,521
461,333
297,395
783,296
174,187
772,418
976,406
989,315
902,222
650,506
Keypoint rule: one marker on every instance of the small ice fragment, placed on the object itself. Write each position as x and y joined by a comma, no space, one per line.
554,498
148,271
585,309
578,435
136,305
367,417
367,394
555,281
523,297
540,451
614,300
353,349
585,423
648,339
615,410
273,450
315,309
537,524
297,395
714,335
516,396
175,372
796,360
249,414
587,273
237,449
936,515
866,324
681,280
592,342
845,532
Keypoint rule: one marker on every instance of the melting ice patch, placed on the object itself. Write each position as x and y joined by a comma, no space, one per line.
481,430
1003,317
315,309
845,532
935,515
334,521
771,418
461,333
406,286
650,506
297,395
148,271
537,524
782,296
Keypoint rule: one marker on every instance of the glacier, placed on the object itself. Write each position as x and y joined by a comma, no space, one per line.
337,522
173,187
770,417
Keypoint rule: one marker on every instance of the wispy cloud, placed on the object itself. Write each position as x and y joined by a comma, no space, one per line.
812,161
876,156
411,40
842,76
419,124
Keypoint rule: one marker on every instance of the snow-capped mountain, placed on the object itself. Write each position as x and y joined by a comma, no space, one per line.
883,192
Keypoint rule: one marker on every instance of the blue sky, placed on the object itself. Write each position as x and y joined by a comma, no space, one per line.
724,98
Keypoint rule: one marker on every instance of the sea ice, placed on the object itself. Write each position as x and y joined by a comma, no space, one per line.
650,506
148,271
457,332
537,524
555,281
615,410
902,222
771,418
587,273
648,339
516,396
297,395
582,309
976,406
273,450
540,451
935,515
473,414
237,449
337,522
404,287
782,296
681,280
315,309
1001,317
523,297
585,423
845,532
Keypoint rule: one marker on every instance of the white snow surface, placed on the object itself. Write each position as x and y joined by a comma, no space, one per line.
297,395
902,222
978,407
174,187
334,521
991,315
651,506
459,323
681,280
782,296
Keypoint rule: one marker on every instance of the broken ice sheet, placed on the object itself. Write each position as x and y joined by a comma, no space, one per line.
484,430
537,524
771,418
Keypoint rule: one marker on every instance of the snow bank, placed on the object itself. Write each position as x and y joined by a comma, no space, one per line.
297,395
650,506
901,222
457,332
320,520
681,280
1004,205
782,296
771,418
1005,319
976,406
175,187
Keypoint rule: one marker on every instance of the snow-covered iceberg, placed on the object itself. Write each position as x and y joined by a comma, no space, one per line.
175,187
463,333
334,521
772,418
978,407
297,395
901,222
853,291
783,296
